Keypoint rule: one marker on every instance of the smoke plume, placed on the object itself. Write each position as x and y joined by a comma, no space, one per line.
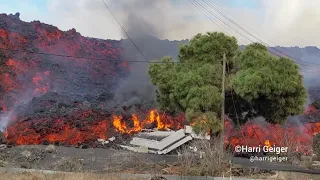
137,88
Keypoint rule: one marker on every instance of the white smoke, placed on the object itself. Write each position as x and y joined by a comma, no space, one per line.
5,119
22,99
292,22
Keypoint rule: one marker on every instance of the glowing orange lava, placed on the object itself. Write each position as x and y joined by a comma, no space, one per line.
161,123
267,143
64,131
299,138
23,71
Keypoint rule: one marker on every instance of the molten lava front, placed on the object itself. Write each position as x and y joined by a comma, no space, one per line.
88,126
162,122
48,78
79,129
297,138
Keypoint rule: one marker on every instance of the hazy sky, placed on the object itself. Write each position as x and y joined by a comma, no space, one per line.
277,22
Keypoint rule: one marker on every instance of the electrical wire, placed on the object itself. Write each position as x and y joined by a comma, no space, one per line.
225,15
204,10
125,31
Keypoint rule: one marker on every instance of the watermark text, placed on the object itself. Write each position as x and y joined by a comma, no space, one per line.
258,149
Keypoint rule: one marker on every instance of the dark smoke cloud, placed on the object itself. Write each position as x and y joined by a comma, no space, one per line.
137,88
137,25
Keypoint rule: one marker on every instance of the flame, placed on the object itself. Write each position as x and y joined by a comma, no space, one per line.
121,127
25,71
136,123
267,143
152,118
64,131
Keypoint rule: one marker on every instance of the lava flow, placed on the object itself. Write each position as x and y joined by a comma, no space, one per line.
26,69
70,131
162,122
57,86
297,138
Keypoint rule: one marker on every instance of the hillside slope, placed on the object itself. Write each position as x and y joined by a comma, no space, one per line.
25,75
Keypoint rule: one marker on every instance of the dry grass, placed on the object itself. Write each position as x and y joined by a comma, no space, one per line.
316,145
294,157
211,163
63,176
84,176
126,161
69,164
281,175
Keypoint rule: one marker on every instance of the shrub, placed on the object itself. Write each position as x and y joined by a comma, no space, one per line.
208,160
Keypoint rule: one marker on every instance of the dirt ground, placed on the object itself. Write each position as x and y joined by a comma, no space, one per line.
84,176
70,159
69,176
75,160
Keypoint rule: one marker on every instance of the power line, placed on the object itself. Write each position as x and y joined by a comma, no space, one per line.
221,12
238,122
225,15
212,14
102,59
132,61
195,5
67,56
216,5
201,7
220,9
99,59
125,31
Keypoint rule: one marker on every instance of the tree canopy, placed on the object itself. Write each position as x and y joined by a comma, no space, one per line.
257,82
272,86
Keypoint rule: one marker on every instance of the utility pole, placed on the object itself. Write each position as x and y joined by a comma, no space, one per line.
223,96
